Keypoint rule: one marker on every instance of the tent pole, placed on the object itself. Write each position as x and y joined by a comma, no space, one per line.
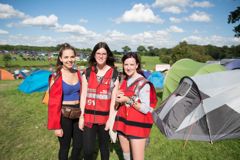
189,133
208,127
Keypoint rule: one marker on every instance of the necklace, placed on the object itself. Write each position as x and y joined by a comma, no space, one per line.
102,71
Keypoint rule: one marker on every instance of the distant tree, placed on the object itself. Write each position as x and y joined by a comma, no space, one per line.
7,59
165,58
233,18
141,50
150,51
180,51
126,49
58,47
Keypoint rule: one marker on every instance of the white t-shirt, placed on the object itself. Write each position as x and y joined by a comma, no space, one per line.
144,95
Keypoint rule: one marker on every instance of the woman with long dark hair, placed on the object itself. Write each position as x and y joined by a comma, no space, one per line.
97,101
64,103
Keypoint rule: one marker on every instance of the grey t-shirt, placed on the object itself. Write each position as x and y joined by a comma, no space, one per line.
144,95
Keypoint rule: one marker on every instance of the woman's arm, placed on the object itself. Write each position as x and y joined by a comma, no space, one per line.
112,104
144,96
83,101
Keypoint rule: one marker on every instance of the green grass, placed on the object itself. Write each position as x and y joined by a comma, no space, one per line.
149,62
24,136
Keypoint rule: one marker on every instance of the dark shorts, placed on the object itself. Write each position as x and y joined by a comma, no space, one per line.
71,105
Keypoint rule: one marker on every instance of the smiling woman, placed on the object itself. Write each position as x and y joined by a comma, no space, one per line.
63,106
134,119
97,101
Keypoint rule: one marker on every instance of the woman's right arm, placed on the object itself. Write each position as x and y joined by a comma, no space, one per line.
83,101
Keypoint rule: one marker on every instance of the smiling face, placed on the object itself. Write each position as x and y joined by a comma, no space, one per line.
130,67
101,56
68,58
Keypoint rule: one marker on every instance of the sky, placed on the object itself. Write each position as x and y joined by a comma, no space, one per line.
119,23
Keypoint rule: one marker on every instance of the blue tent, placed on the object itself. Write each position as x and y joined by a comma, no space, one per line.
37,81
235,64
146,73
157,79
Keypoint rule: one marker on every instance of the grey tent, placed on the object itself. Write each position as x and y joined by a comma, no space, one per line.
235,64
204,107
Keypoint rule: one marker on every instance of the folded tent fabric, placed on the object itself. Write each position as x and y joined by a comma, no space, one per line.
37,81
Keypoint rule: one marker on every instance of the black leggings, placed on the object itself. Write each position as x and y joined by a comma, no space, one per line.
70,131
89,141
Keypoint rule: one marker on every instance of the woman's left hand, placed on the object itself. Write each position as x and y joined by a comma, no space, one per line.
107,125
81,123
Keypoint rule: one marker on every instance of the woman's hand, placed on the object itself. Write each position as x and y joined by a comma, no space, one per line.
137,105
121,98
107,125
58,132
81,122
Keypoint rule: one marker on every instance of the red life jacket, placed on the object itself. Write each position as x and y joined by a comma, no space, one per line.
130,121
98,100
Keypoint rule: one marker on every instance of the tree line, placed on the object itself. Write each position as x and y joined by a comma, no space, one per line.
184,50
201,53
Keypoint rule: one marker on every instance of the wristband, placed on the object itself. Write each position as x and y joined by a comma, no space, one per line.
131,101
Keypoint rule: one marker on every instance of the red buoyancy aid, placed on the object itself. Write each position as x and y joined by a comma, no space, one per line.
98,100
130,121
55,101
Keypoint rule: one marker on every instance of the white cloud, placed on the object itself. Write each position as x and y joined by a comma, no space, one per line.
175,29
82,20
172,9
199,17
7,11
160,38
3,32
21,39
139,13
203,4
116,35
175,20
49,21
77,29
214,40
167,3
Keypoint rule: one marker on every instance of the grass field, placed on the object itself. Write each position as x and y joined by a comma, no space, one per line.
23,134
149,62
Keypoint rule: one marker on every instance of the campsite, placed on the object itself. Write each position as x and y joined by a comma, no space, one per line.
24,134
189,50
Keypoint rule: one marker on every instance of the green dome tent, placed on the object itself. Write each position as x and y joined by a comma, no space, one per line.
181,68
209,68
186,67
